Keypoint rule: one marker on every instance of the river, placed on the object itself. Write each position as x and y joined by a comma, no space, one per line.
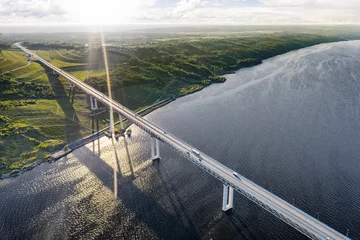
291,124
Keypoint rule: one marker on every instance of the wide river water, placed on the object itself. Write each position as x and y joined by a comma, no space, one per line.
291,124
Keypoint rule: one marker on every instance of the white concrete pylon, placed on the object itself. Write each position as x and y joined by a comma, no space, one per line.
121,122
155,150
228,198
111,122
93,103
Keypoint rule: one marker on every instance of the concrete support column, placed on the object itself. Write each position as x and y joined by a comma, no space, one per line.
228,198
111,121
152,148
231,197
93,103
155,150
121,122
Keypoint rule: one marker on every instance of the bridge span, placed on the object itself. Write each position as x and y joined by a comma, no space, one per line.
296,218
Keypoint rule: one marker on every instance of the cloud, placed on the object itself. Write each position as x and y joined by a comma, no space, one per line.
184,7
313,4
272,11
314,11
180,11
31,9
105,11
287,3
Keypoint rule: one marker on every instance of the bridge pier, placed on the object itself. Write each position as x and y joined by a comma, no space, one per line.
121,122
93,103
228,198
72,92
155,150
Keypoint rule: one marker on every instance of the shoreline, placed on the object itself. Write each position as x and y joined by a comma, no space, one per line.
70,147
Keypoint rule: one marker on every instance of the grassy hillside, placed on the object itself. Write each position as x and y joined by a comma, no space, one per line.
185,65
39,115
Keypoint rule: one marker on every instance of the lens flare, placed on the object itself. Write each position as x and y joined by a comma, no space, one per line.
108,82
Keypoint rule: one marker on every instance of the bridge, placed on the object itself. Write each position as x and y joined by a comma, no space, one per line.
296,218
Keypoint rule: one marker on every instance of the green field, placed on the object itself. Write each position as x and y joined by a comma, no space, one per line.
14,59
39,115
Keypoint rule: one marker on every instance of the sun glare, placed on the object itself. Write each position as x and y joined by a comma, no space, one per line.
105,11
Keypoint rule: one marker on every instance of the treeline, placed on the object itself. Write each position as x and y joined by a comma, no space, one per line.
10,89
4,45
53,45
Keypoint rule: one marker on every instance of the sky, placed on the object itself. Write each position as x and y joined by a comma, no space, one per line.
42,12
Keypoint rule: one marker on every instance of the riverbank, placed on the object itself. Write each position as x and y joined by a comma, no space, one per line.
69,148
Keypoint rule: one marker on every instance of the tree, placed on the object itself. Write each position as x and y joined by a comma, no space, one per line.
4,45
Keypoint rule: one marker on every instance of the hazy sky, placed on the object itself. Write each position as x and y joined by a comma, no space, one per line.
178,11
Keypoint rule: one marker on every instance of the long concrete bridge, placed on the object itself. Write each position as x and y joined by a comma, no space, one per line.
288,213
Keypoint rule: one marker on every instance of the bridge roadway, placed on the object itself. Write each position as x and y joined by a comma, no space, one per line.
301,221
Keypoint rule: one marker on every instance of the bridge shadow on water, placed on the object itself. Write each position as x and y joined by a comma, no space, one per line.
146,209
72,128
239,226
175,200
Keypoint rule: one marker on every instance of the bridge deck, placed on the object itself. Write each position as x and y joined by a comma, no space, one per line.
286,212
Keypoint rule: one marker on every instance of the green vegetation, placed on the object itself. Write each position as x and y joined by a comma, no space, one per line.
12,59
39,114
21,144
4,45
181,66
52,45
29,90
